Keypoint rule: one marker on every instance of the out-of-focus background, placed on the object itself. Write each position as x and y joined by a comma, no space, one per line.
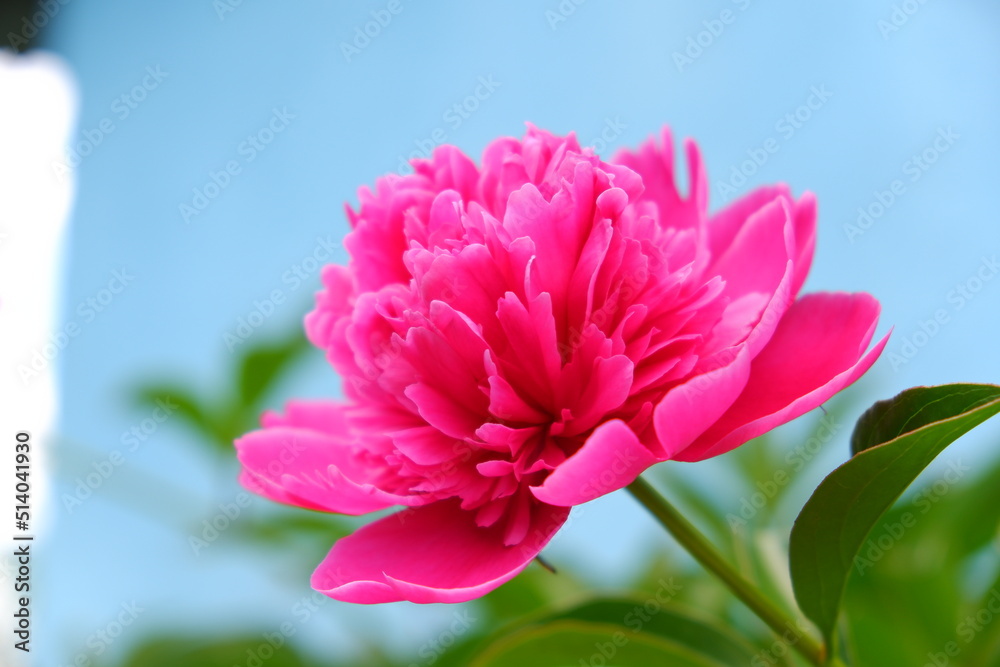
217,142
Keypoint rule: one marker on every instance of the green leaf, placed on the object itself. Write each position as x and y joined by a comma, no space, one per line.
916,408
187,406
893,442
670,622
619,620
262,365
566,643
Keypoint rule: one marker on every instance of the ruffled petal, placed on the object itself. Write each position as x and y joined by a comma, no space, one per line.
655,164
726,224
818,349
610,459
333,302
805,239
757,269
688,409
435,553
307,458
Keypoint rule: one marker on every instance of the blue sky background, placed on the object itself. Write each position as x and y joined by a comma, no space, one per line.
350,118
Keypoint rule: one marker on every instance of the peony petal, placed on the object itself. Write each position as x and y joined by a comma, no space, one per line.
263,487
316,470
604,386
726,224
333,302
688,409
758,262
450,169
818,349
443,411
377,242
805,239
315,414
655,164
531,359
508,406
468,280
426,445
558,230
435,553
610,459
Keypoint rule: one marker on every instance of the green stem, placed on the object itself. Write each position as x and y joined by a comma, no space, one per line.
705,553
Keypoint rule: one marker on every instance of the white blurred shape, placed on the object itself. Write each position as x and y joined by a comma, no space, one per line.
38,107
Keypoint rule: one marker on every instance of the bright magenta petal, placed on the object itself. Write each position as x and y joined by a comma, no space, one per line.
805,238
435,553
687,410
757,267
610,459
818,349
655,163
313,470
332,303
271,491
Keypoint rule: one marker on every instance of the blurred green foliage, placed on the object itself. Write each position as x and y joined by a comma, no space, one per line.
177,651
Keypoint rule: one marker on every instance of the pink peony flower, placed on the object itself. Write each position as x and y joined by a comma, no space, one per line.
529,335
